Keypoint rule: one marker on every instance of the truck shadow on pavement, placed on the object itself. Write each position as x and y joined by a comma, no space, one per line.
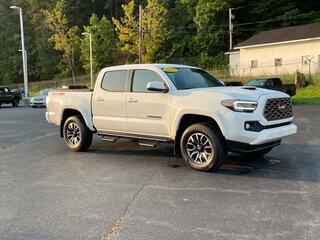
288,161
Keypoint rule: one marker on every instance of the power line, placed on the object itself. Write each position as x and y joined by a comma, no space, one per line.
246,6
277,19
194,27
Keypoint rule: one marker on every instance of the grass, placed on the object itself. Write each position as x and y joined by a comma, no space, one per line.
308,95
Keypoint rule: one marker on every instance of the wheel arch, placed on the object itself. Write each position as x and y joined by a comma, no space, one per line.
70,112
189,119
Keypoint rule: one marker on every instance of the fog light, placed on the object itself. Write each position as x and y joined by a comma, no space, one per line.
254,126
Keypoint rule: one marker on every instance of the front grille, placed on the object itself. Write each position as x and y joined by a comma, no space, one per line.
278,108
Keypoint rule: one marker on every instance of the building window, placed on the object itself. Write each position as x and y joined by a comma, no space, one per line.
278,62
254,63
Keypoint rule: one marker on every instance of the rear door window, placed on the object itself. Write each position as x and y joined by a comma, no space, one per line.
115,81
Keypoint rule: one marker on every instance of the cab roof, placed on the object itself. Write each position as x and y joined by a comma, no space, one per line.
149,65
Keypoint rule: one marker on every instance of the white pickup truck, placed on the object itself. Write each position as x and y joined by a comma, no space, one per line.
183,105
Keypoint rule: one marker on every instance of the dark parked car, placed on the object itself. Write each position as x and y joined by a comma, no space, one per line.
7,96
273,84
233,83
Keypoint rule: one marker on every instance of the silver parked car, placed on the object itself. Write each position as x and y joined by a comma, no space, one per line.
40,99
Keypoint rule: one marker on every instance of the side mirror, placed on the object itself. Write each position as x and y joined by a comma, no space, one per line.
269,84
157,87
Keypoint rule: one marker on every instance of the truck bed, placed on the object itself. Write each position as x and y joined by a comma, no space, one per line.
59,101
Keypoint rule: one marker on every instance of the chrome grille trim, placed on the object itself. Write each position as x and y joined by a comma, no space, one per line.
277,109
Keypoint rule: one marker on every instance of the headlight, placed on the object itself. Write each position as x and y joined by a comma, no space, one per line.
240,106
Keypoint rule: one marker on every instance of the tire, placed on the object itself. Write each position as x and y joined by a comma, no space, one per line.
194,142
81,137
15,102
260,152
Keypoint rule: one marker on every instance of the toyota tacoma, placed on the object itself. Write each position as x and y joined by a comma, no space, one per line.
178,104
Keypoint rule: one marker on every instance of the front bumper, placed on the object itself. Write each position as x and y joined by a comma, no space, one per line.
239,147
37,104
233,124
274,134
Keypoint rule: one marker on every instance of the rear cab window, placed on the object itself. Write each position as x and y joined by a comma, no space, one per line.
115,81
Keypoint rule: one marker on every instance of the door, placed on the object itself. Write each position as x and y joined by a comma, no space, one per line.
269,84
109,102
148,112
7,97
277,84
1,95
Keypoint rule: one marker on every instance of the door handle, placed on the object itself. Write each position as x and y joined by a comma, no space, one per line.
100,99
132,100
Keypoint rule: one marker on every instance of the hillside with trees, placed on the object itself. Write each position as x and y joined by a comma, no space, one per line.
176,31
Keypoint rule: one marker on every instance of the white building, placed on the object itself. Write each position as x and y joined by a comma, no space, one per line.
280,51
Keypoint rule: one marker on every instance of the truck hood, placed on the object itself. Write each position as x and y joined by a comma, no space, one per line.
241,93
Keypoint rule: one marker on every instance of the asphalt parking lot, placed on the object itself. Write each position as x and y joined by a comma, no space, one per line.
122,191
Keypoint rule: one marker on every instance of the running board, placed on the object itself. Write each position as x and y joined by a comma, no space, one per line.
144,140
147,143
110,138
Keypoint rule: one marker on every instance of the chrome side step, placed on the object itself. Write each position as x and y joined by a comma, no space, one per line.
147,143
110,138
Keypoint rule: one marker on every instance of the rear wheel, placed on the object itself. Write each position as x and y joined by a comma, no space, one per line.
15,102
203,148
77,135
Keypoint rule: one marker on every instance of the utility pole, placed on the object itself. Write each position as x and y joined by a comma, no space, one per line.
140,34
309,59
231,17
24,52
91,57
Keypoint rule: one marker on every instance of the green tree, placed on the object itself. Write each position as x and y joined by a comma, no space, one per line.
10,58
154,28
103,44
127,28
65,38
210,19
155,31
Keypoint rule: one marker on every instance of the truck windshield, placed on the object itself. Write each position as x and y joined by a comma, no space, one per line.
44,92
188,78
256,82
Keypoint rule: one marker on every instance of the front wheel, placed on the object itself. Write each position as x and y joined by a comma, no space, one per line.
203,148
77,135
